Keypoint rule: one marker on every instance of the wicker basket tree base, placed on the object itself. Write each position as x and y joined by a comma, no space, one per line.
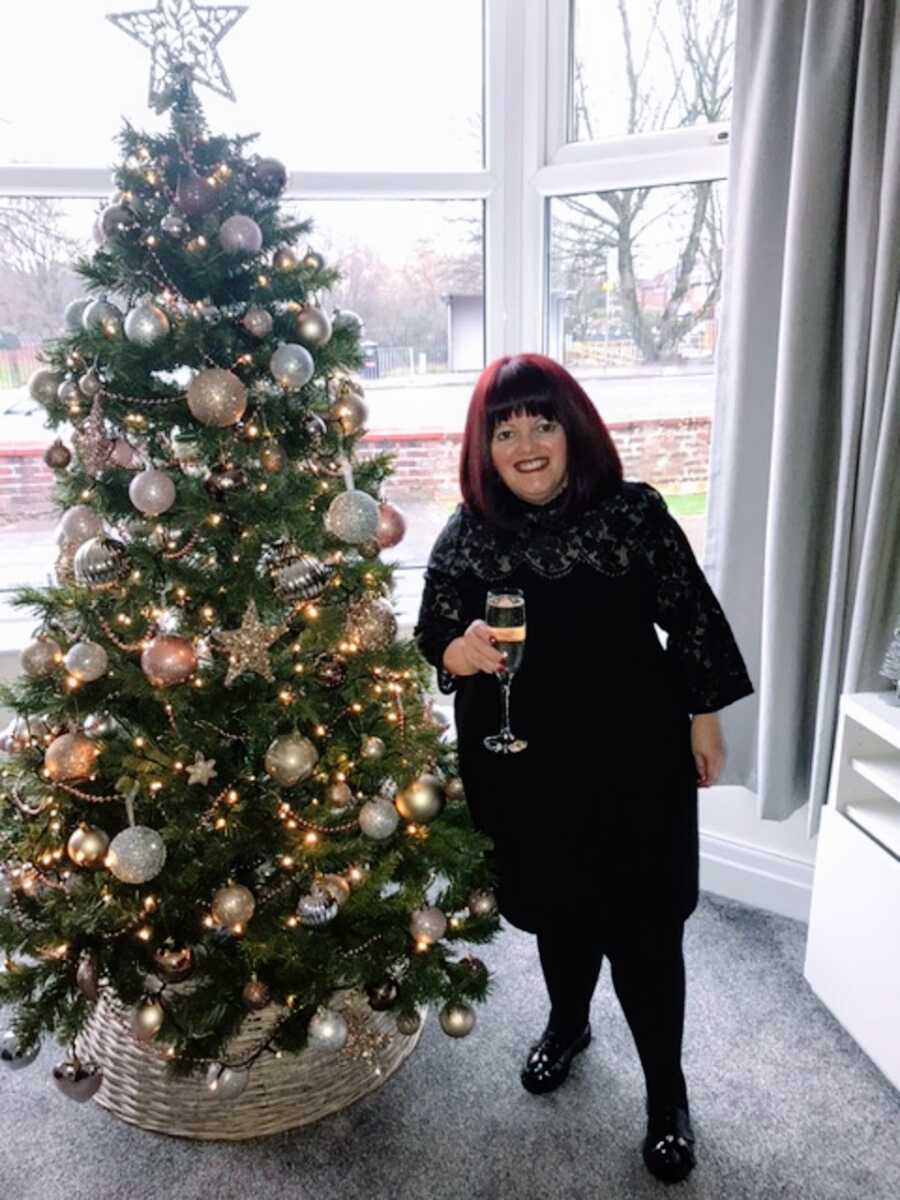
282,1093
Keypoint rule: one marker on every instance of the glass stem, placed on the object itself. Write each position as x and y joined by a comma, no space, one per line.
505,684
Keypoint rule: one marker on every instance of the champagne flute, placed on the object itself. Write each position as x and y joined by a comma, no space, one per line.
505,616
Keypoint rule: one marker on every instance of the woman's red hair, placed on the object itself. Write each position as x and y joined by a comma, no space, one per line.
535,385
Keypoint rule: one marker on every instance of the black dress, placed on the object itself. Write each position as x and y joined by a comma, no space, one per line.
599,813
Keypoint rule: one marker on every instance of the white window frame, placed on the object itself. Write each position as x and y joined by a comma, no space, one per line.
527,49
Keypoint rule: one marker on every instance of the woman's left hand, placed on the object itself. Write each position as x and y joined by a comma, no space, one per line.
708,746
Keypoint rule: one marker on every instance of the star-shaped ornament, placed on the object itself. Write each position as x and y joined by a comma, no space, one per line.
179,34
202,769
248,647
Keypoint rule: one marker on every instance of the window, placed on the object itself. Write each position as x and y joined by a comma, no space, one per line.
642,67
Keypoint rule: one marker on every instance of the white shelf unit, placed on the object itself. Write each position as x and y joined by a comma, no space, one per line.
853,942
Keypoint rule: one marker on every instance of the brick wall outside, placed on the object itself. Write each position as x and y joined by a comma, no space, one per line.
672,452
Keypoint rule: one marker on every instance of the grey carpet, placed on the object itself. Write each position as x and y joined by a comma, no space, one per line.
784,1104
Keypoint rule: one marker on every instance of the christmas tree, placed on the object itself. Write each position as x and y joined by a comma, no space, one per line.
224,787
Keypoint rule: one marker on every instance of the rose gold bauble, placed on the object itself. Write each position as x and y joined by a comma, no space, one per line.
168,660
271,458
391,527
70,756
255,995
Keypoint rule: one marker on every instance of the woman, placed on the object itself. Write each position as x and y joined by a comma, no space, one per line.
594,823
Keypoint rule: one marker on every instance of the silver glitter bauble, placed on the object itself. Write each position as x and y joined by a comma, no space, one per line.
258,322
77,524
217,397
146,324
136,855
69,757
344,319
43,385
40,657
77,1080
284,259
173,224
239,234
233,905
87,661
291,365
428,924
101,316
313,326
73,314
89,384
371,624
100,562
316,908
152,492
147,1019
290,759
327,1031
408,1023
457,1020
378,819
422,800
372,747
482,903
352,516
115,220
225,1083
11,1053
167,660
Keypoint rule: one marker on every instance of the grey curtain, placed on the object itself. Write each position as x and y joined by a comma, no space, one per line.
803,536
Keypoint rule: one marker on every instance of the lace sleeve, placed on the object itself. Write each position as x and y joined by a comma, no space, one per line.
441,617
701,645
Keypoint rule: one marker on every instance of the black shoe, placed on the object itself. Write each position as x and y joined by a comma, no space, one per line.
668,1148
548,1060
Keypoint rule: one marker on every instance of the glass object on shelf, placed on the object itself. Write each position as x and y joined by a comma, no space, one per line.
639,67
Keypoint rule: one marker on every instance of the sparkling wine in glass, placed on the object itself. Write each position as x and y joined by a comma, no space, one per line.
505,616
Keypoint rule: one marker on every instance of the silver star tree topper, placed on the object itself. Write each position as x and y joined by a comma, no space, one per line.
181,34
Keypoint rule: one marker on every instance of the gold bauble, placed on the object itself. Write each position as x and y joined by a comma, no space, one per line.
147,1020
336,885
291,759
41,657
173,963
87,847
70,756
454,789
233,905
422,800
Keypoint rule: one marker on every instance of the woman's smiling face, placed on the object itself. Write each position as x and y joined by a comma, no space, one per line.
529,454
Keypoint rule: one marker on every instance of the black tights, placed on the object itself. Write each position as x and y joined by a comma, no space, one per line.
648,979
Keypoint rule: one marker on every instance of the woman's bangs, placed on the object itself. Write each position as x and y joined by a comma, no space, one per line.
501,408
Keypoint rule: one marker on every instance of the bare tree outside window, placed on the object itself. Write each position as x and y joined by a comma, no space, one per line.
643,266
